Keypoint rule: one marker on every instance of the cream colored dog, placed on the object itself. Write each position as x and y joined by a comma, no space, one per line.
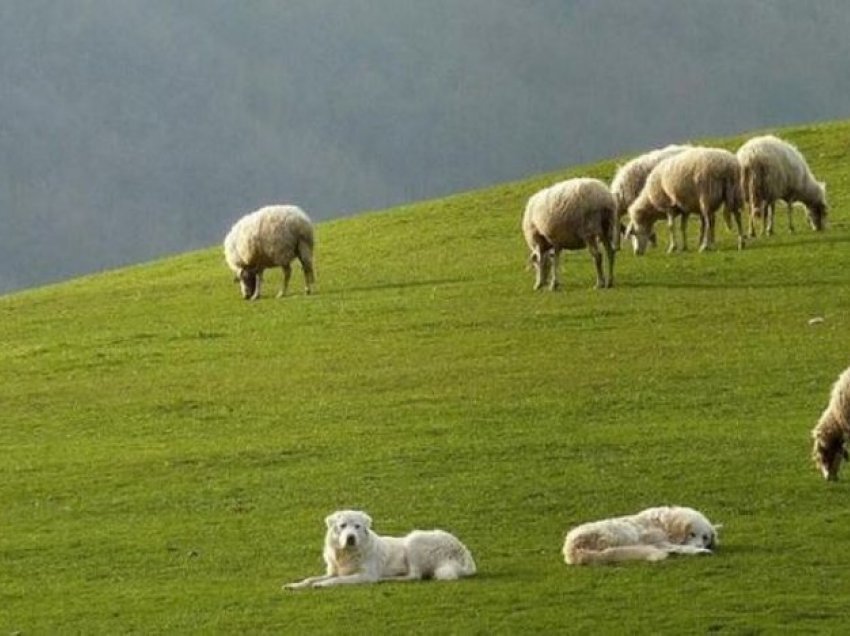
649,535
355,554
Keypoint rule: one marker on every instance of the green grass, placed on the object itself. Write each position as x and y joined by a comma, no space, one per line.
169,451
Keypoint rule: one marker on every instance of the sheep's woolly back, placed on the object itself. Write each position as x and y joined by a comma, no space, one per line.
779,171
687,179
631,177
267,237
580,205
838,409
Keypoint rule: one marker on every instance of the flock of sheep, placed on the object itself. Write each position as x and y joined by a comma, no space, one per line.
670,183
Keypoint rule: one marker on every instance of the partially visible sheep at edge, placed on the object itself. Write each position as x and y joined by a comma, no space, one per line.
832,430
570,215
631,177
773,169
695,181
269,237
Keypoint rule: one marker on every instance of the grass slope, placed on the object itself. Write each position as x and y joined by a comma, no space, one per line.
169,451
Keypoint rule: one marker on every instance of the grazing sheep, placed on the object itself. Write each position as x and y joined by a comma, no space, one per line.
269,237
832,430
570,215
773,169
631,177
695,181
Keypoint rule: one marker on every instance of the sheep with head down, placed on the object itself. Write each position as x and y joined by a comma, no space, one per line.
773,169
695,181
570,215
270,237
630,178
832,430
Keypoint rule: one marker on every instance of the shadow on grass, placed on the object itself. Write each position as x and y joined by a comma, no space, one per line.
434,282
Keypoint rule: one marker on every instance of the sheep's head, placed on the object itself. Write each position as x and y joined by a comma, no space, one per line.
816,210
248,281
641,235
828,453
817,216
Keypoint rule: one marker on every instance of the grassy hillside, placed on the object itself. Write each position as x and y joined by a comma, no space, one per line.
170,451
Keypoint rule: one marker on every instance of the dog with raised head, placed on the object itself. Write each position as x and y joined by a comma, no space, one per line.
354,553
650,535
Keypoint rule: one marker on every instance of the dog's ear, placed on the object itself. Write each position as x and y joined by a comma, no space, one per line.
367,521
330,520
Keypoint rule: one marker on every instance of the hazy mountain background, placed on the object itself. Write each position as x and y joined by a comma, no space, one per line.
134,128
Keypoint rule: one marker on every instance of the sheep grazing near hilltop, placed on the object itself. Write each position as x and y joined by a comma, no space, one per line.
631,176
773,169
832,430
270,237
570,215
694,181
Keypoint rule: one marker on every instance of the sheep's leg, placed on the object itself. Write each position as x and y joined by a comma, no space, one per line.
753,214
708,238
790,216
671,240
555,269
684,230
610,252
540,259
287,274
736,214
305,256
767,225
596,255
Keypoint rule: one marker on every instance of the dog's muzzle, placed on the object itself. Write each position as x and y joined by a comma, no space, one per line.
350,541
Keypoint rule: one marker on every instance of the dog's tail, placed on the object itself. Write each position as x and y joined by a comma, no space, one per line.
583,556
460,563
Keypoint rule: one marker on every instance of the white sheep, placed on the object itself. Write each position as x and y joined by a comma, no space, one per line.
773,169
631,176
832,430
269,237
570,215
695,181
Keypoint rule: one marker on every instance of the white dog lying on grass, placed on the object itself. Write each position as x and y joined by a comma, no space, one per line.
355,554
649,535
